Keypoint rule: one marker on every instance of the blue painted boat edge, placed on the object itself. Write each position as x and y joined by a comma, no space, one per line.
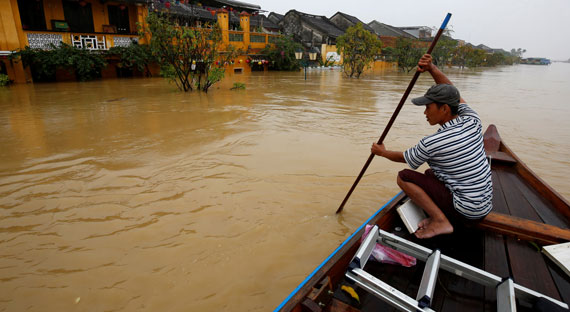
332,254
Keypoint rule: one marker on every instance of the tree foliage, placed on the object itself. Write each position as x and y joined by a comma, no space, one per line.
407,54
191,57
443,50
359,48
281,56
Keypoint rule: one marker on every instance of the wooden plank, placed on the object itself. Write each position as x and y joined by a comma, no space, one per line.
499,202
545,209
545,191
502,157
496,262
542,233
562,281
521,255
529,268
518,206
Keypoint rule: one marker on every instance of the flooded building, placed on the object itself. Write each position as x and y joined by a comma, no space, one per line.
275,17
344,21
314,32
92,25
419,32
100,25
388,34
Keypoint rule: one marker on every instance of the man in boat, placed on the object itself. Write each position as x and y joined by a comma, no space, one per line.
457,188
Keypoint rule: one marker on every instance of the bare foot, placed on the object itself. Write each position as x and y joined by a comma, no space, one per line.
430,227
422,224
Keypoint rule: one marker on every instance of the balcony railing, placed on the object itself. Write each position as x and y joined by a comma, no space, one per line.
236,37
258,38
90,41
100,41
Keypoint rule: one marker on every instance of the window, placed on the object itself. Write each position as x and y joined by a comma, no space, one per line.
78,16
119,17
32,15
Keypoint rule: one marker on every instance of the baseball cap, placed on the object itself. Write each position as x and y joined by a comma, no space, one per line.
439,93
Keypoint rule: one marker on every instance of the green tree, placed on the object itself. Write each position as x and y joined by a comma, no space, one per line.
461,54
443,50
476,58
495,59
389,54
407,54
358,48
189,56
517,54
281,56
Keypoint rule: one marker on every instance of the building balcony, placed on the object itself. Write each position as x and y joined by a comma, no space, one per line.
252,40
89,41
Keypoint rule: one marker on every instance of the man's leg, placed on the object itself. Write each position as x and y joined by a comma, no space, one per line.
437,223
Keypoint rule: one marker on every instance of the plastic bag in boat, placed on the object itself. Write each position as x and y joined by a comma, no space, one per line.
386,254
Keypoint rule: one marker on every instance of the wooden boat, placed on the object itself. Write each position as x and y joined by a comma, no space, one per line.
527,214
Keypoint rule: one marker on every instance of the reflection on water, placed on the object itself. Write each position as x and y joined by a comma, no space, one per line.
128,195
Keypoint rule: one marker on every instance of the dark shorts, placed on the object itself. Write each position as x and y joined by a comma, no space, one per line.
436,190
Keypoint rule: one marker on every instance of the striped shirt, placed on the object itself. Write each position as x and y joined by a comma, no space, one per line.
456,155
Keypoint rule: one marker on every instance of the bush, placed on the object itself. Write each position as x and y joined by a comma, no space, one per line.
135,56
4,80
86,64
238,86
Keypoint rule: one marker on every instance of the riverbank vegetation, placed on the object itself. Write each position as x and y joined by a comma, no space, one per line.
358,47
448,52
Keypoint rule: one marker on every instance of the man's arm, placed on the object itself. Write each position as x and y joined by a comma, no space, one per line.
425,64
380,150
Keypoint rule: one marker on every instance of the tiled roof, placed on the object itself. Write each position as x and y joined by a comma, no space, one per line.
387,30
255,20
239,4
320,22
354,20
186,10
277,15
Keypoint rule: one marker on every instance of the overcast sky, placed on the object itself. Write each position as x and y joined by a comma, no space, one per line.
541,26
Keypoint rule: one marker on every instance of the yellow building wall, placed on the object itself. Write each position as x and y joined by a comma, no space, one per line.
325,48
53,10
11,38
383,65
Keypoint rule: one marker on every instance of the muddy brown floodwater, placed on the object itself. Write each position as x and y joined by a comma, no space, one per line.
127,195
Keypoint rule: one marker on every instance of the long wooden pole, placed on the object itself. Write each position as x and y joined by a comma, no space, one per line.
395,114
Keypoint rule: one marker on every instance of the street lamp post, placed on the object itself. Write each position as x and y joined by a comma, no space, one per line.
304,62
